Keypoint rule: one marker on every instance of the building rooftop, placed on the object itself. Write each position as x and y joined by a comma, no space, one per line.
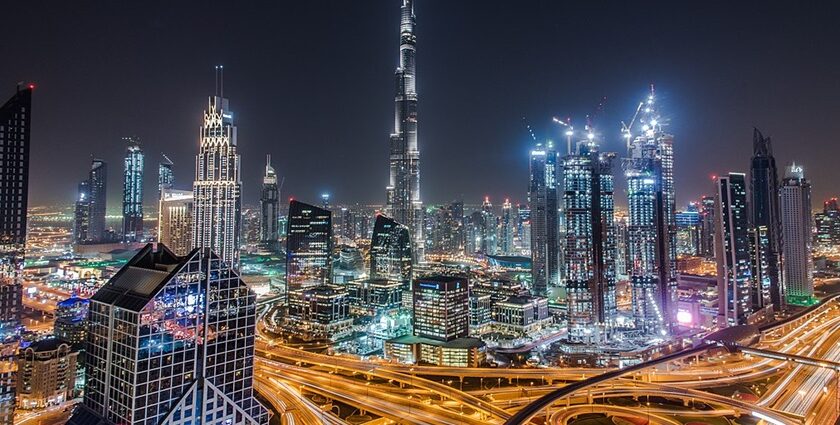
455,343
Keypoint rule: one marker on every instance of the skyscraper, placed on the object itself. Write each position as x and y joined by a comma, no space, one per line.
764,210
217,188
542,198
652,232
488,228
390,251
98,183
828,224
175,220
133,192
171,340
733,250
796,234
308,250
269,208
403,191
590,246
507,229
707,226
15,118
166,174
81,217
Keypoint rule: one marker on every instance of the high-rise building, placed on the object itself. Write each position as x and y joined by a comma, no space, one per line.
522,239
590,247
403,191
15,119
622,254
764,211
308,249
217,188
171,340
390,251
542,199
733,251
795,207
707,226
441,308
175,220
133,192
507,229
98,178
81,217
269,208
652,234
166,174
689,224
828,224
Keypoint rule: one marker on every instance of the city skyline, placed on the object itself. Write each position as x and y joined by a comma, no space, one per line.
708,111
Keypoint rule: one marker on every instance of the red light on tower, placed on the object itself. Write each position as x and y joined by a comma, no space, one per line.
31,86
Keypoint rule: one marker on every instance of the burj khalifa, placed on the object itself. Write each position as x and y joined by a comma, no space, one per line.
403,191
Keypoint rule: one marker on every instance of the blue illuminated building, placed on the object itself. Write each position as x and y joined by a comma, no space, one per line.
171,341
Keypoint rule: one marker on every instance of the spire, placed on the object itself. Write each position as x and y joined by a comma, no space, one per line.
761,144
269,170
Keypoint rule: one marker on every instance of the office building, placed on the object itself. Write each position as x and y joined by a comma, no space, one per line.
707,226
132,206
795,207
590,246
507,229
372,297
166,175
441,308
828,224
171,340
217,188
403,191
308,250
522,240
733,251
651,222
15,119
542,200
46,374
175,220
689,225
322,311
269,208
520,316
764,212
390,251
71,321
81,214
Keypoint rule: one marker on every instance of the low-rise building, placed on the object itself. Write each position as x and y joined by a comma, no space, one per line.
521,315
46,374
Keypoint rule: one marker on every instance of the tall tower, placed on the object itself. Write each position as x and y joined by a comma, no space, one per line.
98,186
133,192
652,231
542,197
764,211
269,207
403,191
506,230
590,241
166,175
732,250
217,188
15,118
796,234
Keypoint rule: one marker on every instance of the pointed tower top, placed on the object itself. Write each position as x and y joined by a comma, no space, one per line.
761,144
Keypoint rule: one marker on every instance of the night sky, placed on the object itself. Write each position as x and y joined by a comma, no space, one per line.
311,82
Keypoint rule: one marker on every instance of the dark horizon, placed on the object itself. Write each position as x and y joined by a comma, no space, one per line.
307,79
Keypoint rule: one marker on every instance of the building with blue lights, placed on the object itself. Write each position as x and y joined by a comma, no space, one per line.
171,341
542,200
733,251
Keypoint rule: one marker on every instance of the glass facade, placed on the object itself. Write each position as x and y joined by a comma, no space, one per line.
171,341
441,308
308,252
543,217
764,212
733,251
